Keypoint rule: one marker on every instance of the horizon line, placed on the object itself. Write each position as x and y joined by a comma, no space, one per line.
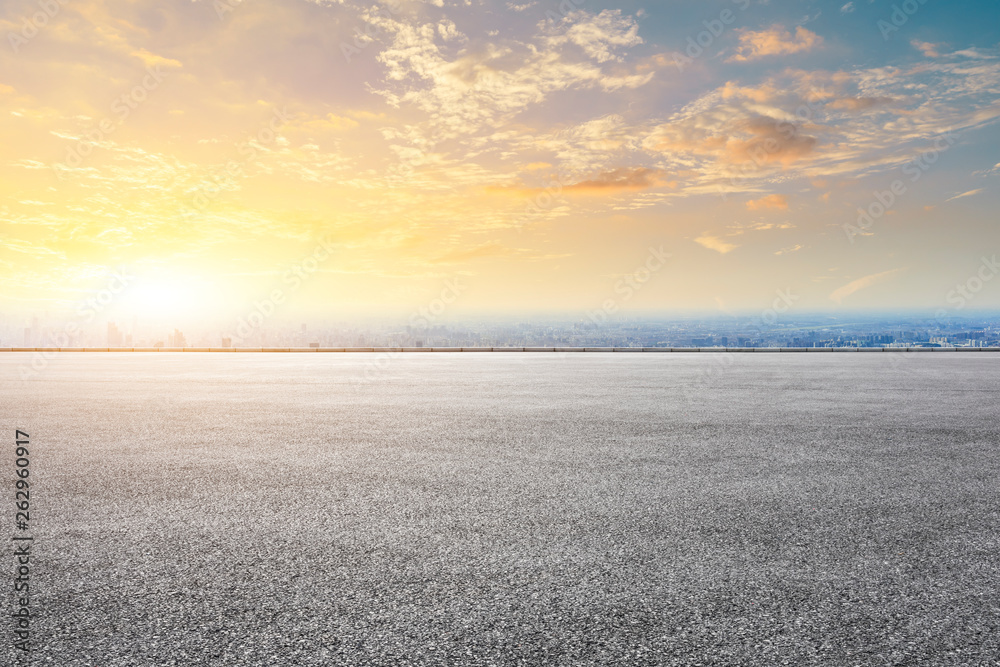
409,350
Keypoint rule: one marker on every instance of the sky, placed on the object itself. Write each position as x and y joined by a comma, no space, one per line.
335,158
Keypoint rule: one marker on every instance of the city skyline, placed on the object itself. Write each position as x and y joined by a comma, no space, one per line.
773,328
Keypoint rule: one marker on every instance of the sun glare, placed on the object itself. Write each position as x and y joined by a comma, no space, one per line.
159,298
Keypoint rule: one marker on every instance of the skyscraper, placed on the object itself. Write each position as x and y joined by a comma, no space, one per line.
114,335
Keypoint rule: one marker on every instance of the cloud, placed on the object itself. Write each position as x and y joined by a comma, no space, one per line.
771,201
768,140
995,169
716,244
739,228
927,48
850,288
492,249
485,84
785,251
599,36
331,122
762,95
847,9
621,179
973,53
859,103
761,140
774,41
742,135
966,194
152,60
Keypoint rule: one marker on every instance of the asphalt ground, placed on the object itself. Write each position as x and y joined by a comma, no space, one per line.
508,509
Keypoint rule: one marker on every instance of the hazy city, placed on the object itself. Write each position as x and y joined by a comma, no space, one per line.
765,330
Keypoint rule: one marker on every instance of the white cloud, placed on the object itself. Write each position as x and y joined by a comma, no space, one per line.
850,288
927,48
965,194
786,251
995,169
716,244
599,36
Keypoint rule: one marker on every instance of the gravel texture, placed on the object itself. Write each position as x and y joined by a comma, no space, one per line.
517,509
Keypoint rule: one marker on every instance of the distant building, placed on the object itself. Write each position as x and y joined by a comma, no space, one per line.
176,339
114,335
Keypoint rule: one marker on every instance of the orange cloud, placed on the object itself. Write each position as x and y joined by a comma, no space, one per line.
761,139
770,201
774,41
770,141
763,94
639,178
859,103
